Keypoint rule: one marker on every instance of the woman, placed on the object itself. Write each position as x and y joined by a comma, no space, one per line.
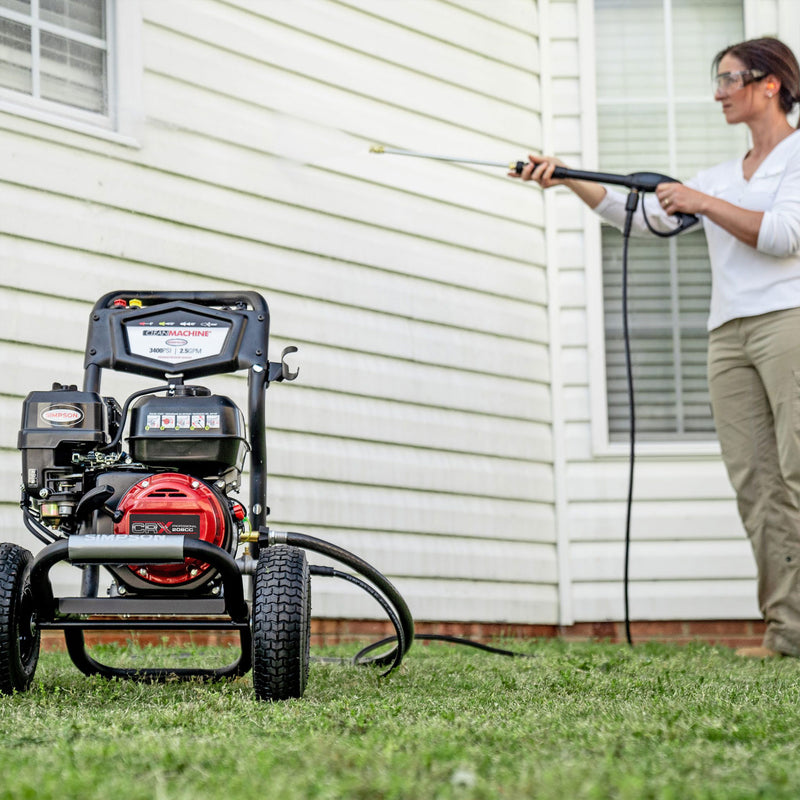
750,211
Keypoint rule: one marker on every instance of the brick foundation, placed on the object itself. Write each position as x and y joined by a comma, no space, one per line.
730,633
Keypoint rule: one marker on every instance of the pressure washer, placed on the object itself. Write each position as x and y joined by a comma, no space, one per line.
160,515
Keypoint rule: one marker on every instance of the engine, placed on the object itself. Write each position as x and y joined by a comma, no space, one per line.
172,503
186,450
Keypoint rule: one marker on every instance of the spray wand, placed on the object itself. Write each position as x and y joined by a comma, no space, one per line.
514,166
635,181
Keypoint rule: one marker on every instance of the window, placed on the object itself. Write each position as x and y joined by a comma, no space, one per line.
656,113
54,55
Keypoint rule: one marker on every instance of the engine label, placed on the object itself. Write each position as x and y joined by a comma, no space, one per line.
179,524
210,421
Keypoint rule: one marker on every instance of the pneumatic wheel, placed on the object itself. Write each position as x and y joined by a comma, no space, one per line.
19,634
281,623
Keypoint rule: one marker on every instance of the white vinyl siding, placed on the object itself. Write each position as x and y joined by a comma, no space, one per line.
656,113
449,423
418,434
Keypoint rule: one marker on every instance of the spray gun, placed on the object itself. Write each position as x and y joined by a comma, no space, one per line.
638,182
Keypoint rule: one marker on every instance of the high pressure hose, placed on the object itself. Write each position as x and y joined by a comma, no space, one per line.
399,635
361,656
403,622
626,336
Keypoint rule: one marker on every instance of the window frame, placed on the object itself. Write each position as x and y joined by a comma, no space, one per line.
122,122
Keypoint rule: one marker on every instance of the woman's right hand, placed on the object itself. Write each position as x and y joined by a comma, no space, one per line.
540,169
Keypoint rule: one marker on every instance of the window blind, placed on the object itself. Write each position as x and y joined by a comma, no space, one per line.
15,56
656,113
56,50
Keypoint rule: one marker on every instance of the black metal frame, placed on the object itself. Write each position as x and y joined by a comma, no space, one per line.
244,348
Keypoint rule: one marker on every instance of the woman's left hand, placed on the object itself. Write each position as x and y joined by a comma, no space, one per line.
678,198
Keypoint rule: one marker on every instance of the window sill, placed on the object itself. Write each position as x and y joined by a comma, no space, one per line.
707,449
62,120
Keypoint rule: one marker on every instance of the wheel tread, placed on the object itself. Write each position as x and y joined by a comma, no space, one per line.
14,674
281,611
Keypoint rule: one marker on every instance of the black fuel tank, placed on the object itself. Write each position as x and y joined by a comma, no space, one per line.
203,435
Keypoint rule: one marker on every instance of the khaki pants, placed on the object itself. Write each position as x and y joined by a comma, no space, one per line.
754,379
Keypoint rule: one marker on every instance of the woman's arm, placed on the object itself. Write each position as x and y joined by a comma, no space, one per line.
673,197
742,223
609,205
540,169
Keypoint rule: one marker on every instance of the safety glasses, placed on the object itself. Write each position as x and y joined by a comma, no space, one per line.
726,83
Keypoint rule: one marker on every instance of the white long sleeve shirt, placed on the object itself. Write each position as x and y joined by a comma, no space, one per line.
745,281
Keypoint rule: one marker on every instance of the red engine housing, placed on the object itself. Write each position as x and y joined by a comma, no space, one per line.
178,504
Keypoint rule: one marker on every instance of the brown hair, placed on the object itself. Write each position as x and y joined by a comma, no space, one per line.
772,57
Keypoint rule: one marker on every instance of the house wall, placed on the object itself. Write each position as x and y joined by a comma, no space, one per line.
434,305
689,556
419,433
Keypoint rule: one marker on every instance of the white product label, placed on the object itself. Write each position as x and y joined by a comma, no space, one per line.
174,345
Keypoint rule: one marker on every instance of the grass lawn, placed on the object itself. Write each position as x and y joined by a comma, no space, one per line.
576,721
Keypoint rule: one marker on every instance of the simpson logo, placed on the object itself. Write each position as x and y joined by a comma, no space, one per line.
62,415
